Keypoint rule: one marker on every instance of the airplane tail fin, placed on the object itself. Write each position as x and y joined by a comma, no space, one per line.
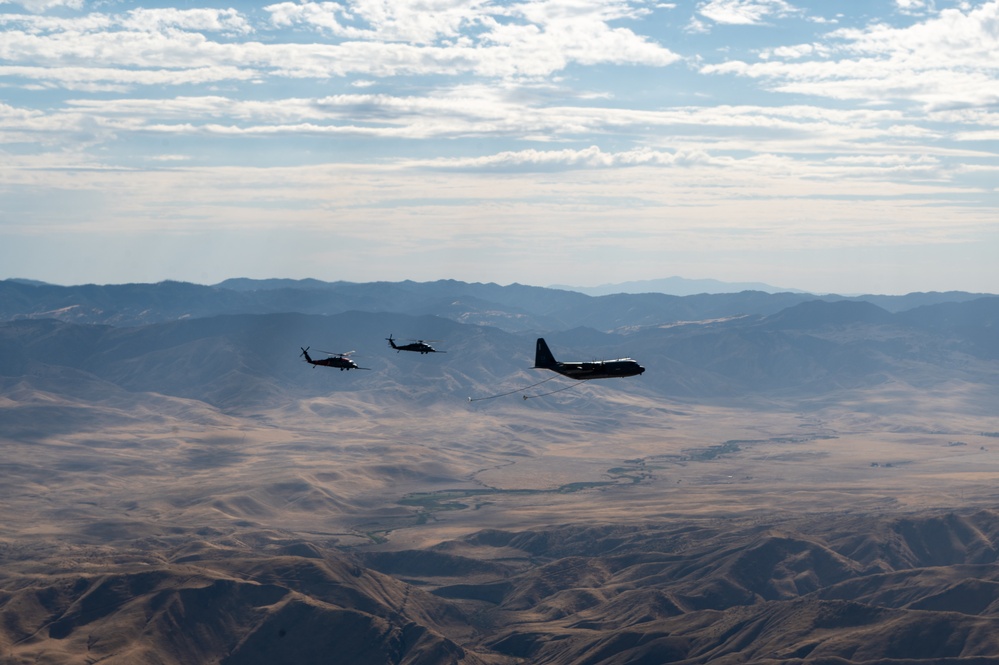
391,342
305,352
543,357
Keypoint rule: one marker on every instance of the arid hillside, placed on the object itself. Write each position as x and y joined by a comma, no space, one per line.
827,588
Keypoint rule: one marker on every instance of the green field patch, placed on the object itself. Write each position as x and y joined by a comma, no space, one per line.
577,487
735,445
713,452
431,502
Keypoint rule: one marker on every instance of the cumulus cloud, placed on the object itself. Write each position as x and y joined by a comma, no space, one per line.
592,157
950,59
200,20
45,5
518,38
369,38
911,6
373,20
744,12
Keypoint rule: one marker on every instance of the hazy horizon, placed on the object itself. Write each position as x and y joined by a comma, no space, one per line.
673,285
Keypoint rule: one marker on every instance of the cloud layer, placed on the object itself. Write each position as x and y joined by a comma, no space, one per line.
407,129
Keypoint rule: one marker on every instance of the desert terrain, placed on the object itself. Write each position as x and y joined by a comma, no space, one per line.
369,518
502,517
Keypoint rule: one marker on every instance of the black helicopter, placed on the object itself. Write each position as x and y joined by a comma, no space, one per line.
338,360
417,346
583,371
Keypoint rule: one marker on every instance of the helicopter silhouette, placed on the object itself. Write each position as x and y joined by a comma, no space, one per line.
417,346
338,360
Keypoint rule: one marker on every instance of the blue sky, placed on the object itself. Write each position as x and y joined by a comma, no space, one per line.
845,147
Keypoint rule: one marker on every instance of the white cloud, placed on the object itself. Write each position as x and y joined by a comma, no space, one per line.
951,59
207,20
912,6
94,79
981,135
761,194
450,38
488,111
695,26
423,22
39,6
525,38
592,157
789,52
744,12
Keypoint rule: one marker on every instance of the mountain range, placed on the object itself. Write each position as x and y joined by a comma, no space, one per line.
794,479
513,307
231,343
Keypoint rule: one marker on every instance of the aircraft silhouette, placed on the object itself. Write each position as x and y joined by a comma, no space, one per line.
338,360
418,346
583,371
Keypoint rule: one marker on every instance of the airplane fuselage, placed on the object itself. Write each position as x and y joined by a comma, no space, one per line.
584,371
599,369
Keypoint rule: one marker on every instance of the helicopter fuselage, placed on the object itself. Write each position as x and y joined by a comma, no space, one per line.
339,361
418,346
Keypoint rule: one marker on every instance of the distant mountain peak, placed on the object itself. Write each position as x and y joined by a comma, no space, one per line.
676,286
27,282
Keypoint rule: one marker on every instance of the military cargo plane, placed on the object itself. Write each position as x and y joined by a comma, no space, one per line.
584,371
